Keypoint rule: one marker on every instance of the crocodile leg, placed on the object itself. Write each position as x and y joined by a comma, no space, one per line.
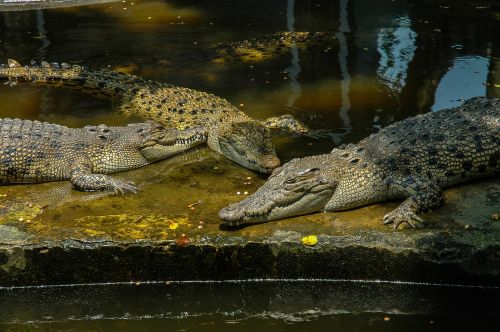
286,122
421,196
83,179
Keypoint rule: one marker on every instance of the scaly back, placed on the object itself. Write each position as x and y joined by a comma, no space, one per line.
448,147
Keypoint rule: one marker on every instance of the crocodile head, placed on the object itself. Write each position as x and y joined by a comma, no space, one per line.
249,144
159,142
301,186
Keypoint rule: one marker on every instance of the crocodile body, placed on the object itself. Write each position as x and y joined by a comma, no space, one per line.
267,47
229,131
33,151
413,159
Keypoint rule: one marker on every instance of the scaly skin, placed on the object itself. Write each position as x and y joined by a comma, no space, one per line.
229,131
267,47
413,159
33,151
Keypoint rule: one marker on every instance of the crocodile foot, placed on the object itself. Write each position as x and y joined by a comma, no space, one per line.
286,122
401,215
102,182
123,187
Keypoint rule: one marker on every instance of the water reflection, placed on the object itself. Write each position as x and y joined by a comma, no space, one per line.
397,48
466,78
344,72
294,70
253,305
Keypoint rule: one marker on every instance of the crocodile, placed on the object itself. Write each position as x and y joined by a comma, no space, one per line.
269,46
414,160
34,151
229,131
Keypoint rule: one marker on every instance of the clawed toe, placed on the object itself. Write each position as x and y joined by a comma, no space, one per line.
398,217
125,187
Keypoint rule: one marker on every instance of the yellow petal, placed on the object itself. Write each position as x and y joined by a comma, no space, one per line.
310,240
173,225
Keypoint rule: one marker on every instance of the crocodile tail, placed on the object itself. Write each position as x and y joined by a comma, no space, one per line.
102,82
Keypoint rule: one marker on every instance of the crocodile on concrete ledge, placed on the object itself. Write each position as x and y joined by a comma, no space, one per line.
413,159
229,131
33,151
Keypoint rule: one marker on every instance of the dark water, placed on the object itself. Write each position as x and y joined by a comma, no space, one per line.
250,306
394,59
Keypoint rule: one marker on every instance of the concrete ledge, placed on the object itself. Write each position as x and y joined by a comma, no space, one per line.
435,257
132,238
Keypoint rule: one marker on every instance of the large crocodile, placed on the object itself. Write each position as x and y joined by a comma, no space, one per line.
413,159
34,151
229,131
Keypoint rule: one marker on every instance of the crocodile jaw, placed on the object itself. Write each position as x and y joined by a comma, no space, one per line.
275,200
166,147
263,164
246,142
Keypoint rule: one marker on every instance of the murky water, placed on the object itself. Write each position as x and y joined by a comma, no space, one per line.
250,306
392,60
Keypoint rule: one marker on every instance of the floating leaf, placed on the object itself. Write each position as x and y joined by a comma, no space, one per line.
173,225
310,240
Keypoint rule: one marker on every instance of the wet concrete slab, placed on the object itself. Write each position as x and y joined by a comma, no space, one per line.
50,234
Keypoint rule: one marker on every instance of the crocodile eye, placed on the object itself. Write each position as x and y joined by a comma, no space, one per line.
308,171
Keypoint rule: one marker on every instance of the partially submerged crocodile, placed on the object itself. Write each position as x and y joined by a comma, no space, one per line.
34,151
229,131
413,159
267,47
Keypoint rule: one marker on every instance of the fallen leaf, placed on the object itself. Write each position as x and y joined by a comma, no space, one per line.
310,240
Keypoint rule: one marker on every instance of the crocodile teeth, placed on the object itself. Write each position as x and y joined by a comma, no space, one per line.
13,63
64,65
45,64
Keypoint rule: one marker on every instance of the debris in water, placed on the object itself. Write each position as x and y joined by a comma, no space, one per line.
192,205
182,241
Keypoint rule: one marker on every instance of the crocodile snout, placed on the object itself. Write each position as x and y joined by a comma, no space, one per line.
269,162
231,214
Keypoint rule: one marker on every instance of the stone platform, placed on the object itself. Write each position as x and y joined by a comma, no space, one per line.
154,237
